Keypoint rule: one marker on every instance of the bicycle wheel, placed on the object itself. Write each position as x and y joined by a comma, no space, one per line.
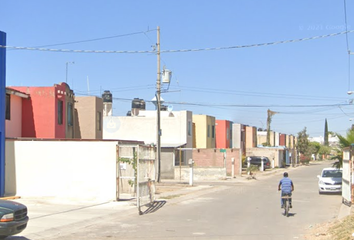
285,207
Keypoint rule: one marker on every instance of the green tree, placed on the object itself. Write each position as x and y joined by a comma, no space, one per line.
314,147
324,150
303,145
326,133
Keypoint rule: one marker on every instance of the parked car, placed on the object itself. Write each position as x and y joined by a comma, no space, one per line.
330,181
256,160
13,218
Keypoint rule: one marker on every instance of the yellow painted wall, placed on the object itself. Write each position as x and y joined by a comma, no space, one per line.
201,125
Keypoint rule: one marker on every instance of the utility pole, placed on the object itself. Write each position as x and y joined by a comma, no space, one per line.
158,107
269,120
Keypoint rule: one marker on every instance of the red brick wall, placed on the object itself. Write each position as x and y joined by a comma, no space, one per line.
212,157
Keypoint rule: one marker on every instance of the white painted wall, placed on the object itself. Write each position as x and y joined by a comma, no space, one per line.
83,170
174,127
13,126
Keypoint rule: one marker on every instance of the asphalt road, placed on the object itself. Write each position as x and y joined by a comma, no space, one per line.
238,210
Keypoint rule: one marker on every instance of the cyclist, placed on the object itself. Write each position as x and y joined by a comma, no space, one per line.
287,187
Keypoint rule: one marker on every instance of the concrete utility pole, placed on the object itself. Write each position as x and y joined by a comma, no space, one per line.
158,107
269,120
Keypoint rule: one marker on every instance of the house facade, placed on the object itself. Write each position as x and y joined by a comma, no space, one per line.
204,128
176,135
13,114
223,129
88,117
251,137
48,112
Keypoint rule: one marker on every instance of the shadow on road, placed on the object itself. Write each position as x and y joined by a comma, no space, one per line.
15,238
153,207
331,193
291,214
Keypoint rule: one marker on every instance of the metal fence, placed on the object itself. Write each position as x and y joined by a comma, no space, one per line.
146,176
136,174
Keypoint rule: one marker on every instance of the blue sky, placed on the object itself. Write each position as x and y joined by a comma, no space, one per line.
305,82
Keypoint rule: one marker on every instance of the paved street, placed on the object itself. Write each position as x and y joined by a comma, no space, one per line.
227,210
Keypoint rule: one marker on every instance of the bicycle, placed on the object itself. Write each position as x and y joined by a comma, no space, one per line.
286,204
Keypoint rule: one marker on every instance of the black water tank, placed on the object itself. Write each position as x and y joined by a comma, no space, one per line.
107,96
163,108
138,103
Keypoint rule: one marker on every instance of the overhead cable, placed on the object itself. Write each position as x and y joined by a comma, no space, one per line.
177,51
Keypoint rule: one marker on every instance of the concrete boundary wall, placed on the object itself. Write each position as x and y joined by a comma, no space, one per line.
200,173
214,157
83,170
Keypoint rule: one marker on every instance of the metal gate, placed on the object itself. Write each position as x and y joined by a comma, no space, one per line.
136,174
126,165
146,176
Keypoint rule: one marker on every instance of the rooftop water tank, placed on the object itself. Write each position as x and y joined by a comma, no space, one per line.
138,103
107,96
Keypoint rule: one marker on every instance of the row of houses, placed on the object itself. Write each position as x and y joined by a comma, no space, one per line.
55,112
44,126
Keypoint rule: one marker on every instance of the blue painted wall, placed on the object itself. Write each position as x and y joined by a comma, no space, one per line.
2,111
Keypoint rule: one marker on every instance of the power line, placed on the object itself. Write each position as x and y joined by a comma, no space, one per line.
347,41
94,39
346,24
260,94
176,51
244,105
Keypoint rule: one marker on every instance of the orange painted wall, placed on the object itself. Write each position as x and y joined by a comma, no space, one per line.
223,133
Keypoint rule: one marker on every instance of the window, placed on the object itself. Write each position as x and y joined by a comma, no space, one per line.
208,130
7,114
213,131
189,128
69,113
60,112
227,134
99,121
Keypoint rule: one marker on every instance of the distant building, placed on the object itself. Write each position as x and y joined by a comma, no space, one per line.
204,131
48,112
223,130
332,140
88,117
251,137
13,115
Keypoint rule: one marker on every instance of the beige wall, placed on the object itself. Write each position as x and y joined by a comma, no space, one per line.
69,169
262,138
251,137
204,124
13,126
87,125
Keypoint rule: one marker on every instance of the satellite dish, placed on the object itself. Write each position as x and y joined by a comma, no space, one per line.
170,108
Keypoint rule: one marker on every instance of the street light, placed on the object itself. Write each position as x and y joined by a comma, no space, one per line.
67,63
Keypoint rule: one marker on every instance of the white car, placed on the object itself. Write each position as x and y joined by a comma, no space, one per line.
330,181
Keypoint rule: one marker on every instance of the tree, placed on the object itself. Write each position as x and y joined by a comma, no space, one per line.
326,133
314,147
343,143
324,150
303,145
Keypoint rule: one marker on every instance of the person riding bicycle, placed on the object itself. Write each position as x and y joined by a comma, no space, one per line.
287,187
